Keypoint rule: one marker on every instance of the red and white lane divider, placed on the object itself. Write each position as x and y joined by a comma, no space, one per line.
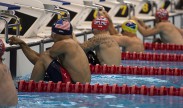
152,56
134,70
162,46
41,86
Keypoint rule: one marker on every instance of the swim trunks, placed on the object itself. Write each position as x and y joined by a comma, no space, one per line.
57,73
92,58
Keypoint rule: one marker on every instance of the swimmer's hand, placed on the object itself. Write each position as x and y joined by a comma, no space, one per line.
105,14
134,18
15,40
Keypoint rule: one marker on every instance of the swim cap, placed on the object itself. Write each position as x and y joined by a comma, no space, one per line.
129,26
162,14
2,47
62,27
100,23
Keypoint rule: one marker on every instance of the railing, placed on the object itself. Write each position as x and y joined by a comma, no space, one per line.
17,24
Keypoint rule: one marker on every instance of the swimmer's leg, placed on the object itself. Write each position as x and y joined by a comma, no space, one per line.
38,71
40,67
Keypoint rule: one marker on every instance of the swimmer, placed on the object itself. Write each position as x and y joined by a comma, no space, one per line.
106,48
65,61
127,38
168,32
8,93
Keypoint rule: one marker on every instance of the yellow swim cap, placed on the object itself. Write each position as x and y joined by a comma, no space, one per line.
129,26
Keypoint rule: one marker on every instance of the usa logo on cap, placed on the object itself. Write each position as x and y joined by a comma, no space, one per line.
63,25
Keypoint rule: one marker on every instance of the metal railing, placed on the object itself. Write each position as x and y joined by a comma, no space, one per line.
92,5
17,23
172,6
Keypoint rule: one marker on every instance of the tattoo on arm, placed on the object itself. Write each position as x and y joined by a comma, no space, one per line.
90,44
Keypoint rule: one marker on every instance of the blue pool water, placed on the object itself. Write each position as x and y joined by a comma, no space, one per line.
163,64
158,81
71,100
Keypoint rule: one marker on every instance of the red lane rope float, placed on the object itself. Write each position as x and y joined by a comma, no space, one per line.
134,70
41,86
162,46
152,56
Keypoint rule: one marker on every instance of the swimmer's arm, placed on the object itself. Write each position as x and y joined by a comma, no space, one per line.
57,49
31,55
148,31
90,44
111,27
141,22
121,40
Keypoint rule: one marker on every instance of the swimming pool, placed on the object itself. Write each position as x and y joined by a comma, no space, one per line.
86,100
78,100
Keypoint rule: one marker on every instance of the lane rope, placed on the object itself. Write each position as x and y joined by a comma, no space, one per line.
68,87
162,46
135,70
152,56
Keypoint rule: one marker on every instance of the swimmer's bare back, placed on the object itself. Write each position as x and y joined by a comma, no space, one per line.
74,60
169,33
107,49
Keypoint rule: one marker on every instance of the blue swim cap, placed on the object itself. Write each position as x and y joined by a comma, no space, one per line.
62,27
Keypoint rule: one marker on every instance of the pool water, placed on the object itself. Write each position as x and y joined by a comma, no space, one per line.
71,100
158,81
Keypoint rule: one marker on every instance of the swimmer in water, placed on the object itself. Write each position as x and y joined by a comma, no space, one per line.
167,31
65,61
8,93
106,48
127,39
